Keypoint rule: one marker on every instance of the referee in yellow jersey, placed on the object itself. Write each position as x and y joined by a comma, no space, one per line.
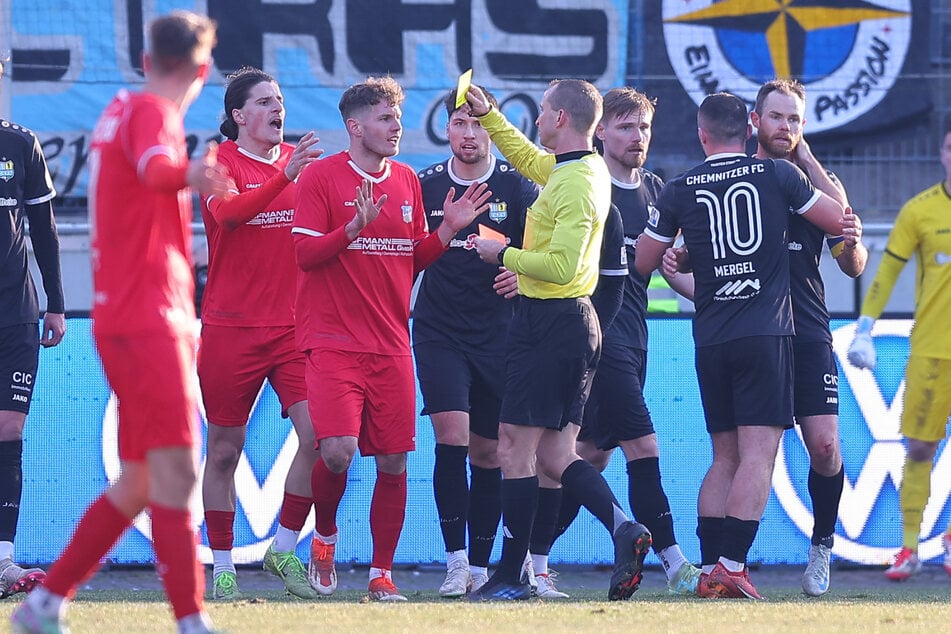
555,338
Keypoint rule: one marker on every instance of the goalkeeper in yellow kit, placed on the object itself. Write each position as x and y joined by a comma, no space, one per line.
922,229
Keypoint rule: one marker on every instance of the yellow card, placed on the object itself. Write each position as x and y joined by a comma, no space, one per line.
465,79
491,234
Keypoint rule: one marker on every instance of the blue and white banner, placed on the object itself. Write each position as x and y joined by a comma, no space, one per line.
864,62
70,456
68,58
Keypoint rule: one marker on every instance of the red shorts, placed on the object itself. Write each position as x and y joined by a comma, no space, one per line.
153,378
233,363
370,397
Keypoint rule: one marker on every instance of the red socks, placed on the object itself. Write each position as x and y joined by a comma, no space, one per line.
293,512
175,542
99,529
328,488
387,511
220,528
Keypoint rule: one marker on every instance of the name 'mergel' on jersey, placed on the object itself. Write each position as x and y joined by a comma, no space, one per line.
734,214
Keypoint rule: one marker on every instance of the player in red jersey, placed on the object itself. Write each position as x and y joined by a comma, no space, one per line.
143,322
360,235
247,319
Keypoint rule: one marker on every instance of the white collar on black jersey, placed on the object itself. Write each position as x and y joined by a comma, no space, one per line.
463,181
634,185
722,155
376,180
260,159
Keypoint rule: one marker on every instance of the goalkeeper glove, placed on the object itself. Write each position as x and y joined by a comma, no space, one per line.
862,351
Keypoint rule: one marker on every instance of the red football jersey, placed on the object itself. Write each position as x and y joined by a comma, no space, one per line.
359,299
251,270
141,244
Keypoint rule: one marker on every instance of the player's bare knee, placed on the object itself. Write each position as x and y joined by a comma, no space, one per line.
598,459
173,492
337,461
483,452
587,451
130,493
11,425
393,464
825,458
553,463
727,463
484,460
222,458
550,474
515,461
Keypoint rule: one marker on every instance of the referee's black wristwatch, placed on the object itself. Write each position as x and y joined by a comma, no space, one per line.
502,253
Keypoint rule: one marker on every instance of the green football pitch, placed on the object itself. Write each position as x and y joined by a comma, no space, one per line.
860,600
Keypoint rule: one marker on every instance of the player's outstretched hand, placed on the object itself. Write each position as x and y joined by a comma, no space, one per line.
506,283
367,209
862,351
209,178
304,154
458,214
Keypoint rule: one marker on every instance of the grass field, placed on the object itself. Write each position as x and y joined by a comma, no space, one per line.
861,601
149,614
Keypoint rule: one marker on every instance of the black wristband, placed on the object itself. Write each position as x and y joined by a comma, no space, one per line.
501,254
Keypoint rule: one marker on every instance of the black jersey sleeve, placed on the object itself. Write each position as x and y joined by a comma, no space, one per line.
799,190
45,241
609,293
662,222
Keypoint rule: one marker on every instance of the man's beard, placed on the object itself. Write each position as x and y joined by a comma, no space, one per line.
471,159
632,162
775,150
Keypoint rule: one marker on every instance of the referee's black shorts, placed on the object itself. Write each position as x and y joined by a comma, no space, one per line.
746,382
19,358
554,345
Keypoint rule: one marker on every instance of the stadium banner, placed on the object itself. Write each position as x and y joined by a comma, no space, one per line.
69,57
70,456
864,64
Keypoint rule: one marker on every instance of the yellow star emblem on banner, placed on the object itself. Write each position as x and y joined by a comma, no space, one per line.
779,20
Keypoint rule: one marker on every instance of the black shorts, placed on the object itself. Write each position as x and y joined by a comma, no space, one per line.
19,358
816,384
454,380
554,345
746,382
616,410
